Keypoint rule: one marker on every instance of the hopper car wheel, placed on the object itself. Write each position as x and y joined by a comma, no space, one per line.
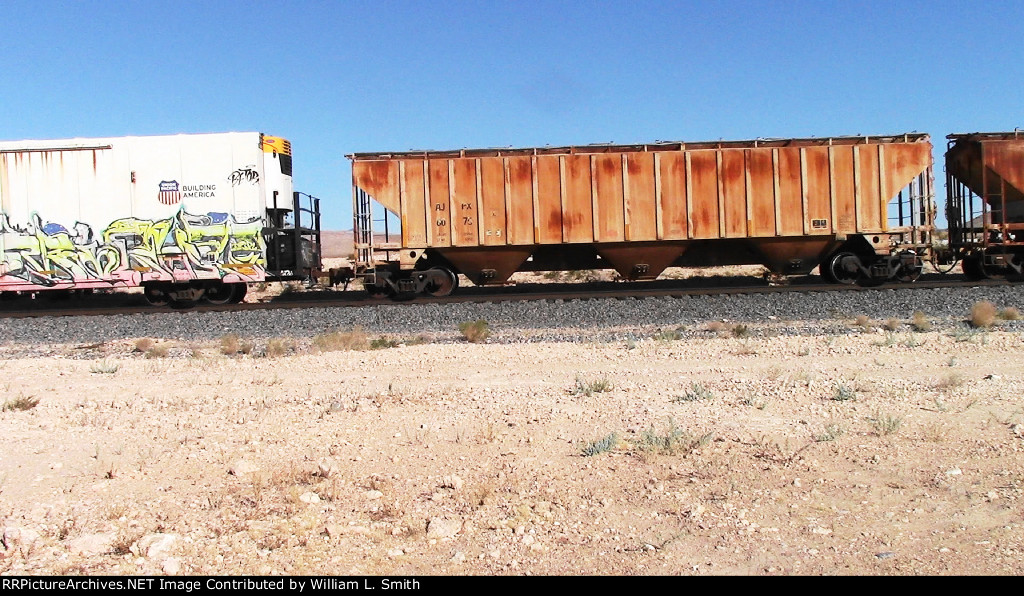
238,293
971,265
911,273
219,293
841,268
974,267
991,272
443,288
826,273
909,276
155,296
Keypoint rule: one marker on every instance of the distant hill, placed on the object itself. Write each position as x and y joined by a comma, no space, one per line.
336,243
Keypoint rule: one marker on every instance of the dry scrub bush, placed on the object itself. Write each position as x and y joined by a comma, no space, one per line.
863,321
475,331
232,344
983,314
950,381
886,424
334,341
920,322
143,345
158,351
104,368
22,402
892,324
278,346
1009,314
717,327
589,388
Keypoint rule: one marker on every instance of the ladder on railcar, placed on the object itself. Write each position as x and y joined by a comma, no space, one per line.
368,238
363,228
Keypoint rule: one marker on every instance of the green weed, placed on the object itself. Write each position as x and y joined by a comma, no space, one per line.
697,392
588,388
602,445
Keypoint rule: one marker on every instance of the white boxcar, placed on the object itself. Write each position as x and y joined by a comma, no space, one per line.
185,216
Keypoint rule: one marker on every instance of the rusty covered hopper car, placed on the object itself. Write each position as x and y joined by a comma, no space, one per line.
862,207
985,202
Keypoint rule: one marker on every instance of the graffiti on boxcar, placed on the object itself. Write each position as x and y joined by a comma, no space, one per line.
246,174
185,246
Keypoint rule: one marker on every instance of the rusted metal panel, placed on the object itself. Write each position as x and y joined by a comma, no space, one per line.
986,162
465,229
901,163
520,200
641,209
492,194
609,216
780,251
818,191
762,192
733,175
380,180
869,211
704,194
1006,160
640,261
414,210
986,187
843,176
578,215
647,193
549,200
790,192
440,202
487,265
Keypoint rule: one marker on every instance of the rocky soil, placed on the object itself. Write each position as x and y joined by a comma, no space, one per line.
773,442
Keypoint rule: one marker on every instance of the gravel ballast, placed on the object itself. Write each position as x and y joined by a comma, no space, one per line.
513,322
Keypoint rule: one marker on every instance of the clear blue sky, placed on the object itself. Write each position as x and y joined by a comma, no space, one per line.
340,77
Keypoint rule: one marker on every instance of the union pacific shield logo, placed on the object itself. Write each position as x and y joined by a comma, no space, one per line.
169,192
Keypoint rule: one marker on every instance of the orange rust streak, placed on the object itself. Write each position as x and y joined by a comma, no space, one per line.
641,208
440,202
673,195
549,200
464,211
734,184
762,191
819,204
610,214
520,216
492,176
704,169
846,206
577,221
790,187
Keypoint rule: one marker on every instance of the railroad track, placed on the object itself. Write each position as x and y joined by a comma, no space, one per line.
130,304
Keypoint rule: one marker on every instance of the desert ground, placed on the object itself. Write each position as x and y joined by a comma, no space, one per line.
731,449
892,447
